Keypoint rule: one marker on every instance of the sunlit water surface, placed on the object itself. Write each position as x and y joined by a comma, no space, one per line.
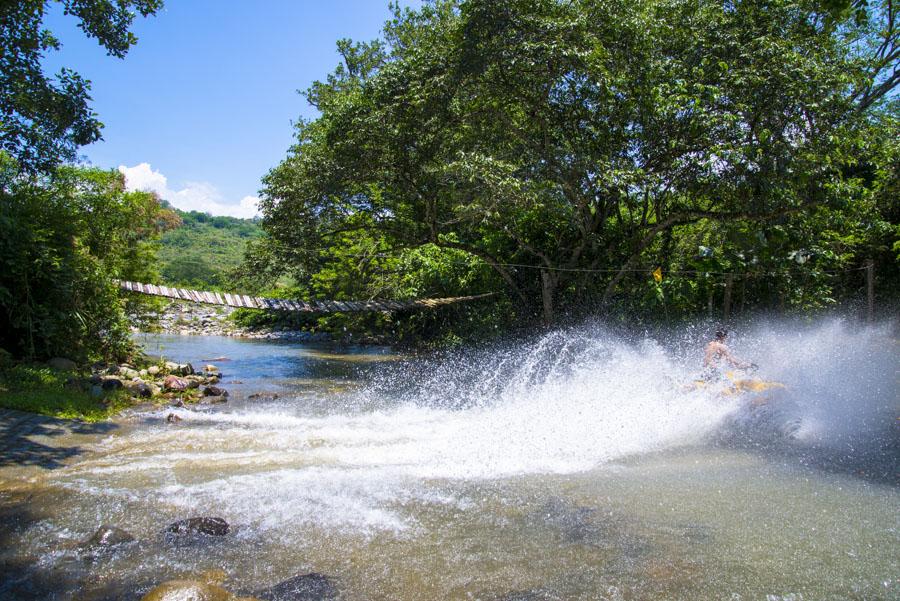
578,466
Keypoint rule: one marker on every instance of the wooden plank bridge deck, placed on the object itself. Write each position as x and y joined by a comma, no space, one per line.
244,301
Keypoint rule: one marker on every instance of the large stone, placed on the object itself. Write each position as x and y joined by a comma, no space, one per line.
140,389
191,590
203,525
111,384
305,587
175,384
179,369
153,370
108,536
214,391
62,364
128,373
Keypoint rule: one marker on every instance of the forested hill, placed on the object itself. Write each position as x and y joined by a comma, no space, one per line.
204,248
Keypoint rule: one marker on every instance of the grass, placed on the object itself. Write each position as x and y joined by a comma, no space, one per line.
39,389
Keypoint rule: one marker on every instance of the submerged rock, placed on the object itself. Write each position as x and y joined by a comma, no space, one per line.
191,590
107,536
214,391
264,396
203,525
305,587
172,418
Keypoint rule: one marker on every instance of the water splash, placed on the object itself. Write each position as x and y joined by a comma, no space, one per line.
572,400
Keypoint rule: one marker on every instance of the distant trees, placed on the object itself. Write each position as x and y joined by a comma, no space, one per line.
567,144
44,120
204,250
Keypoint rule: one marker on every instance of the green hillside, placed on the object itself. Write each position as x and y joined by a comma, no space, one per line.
204,248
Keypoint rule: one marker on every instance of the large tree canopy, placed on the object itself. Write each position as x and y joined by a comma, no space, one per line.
564,143
43,120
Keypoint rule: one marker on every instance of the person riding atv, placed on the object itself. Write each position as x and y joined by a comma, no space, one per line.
717,354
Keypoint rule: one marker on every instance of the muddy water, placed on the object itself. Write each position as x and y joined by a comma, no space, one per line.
558,471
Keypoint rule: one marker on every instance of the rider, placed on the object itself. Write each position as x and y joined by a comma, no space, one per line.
716,353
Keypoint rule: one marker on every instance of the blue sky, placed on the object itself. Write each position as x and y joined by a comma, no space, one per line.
202,107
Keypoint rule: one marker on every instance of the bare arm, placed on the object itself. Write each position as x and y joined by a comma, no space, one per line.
734,361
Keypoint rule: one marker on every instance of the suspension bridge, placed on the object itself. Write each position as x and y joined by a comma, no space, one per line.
243,301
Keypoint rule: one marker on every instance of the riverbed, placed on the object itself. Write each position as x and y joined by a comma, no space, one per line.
578,467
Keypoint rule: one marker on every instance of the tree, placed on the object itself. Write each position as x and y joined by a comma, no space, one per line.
44,120
563,143
62,240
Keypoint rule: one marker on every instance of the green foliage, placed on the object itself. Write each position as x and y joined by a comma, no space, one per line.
42,390
204,250
572,147
44,120
62,240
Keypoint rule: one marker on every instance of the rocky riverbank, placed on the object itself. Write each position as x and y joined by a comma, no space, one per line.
189,319
166,380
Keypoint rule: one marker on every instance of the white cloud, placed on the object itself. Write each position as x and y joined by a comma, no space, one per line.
194,196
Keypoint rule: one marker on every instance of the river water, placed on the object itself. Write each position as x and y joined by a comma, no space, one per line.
581,465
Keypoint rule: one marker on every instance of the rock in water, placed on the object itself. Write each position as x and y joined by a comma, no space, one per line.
190,590
205,525
306,587
214,391
108,536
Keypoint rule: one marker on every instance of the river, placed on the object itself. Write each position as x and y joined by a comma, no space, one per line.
581,465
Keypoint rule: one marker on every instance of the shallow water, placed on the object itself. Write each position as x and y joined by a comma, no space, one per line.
578,466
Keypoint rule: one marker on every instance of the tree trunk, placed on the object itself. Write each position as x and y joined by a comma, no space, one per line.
726,302
548,288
